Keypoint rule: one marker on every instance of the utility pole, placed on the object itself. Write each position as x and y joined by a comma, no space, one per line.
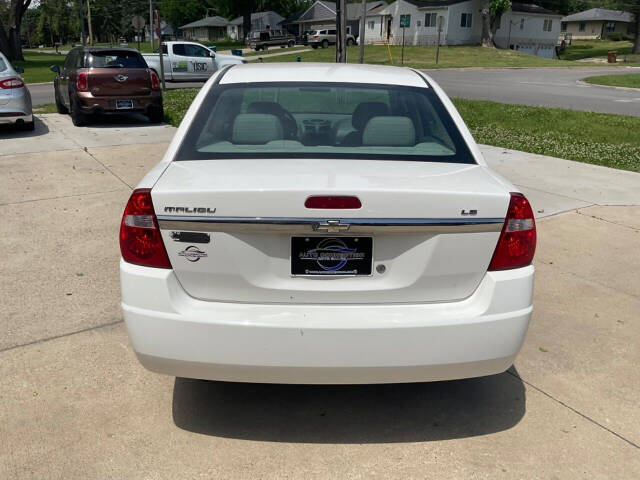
363,29
89,21
439,25
151,24
82,38
341,27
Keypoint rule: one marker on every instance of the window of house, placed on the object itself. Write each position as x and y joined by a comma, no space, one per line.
465,20
430,19
563,26
610,26
521,23
582,26
405,21
371,25
547,25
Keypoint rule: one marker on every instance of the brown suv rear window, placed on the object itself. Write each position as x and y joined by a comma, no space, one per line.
116,59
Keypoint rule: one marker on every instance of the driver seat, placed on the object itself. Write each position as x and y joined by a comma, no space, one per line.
272,108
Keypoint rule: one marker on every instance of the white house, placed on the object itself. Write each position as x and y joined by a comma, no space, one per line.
527,28
259,21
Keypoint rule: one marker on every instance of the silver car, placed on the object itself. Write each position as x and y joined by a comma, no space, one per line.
15,99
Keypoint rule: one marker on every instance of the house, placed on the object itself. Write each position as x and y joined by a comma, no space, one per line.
259,21
290,23
527,28
166,31
598,23
322,14
206,30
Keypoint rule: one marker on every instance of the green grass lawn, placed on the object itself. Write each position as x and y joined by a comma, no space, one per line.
424,57
631,80
601,139
36,66
594,48
275,50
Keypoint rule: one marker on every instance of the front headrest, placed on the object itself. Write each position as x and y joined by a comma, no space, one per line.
365,112
256,129
271,108
389,131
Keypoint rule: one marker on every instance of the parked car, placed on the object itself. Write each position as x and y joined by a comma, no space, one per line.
324,38
189,61
370,243
15,99
106,80
263,39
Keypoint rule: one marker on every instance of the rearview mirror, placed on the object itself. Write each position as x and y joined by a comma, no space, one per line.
55,68
19,69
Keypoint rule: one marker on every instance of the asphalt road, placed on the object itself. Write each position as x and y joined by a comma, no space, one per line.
546,87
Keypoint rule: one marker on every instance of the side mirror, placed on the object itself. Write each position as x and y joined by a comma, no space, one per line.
19,70
55,69
212,55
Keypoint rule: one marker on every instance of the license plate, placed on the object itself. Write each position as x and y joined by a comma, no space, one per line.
124,104
331,256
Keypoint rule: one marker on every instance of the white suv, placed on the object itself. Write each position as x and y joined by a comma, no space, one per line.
324,38
325,223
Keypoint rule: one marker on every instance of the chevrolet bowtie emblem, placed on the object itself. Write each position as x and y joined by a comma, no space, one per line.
331,226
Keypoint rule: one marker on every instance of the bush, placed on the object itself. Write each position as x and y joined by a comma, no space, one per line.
615,37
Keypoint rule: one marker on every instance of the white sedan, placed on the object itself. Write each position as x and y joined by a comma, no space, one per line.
323,223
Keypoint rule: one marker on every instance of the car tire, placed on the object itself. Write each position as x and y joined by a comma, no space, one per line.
350,42
156,115
291,44
79,118
27,126
325,44
59,105
314,46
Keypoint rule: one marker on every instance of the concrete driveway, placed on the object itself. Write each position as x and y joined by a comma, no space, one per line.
545,87
76,403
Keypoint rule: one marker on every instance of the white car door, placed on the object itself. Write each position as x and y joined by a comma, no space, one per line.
191,62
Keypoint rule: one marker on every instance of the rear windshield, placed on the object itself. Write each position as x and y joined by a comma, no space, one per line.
117,59
3,65
323,120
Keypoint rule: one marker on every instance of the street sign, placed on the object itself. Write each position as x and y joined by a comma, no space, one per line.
138,22
405,21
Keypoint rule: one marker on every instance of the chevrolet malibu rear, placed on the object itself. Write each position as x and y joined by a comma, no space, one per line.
325,224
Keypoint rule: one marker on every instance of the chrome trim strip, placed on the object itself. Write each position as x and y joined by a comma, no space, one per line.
310,225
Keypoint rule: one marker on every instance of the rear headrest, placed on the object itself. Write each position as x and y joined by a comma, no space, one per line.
389,131
365,112
256,129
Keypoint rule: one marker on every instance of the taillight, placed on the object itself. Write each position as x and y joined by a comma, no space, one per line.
82,82
517,242
315,36
155,83
337,202
11,83
140,239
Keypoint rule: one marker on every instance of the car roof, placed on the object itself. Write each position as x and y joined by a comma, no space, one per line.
322,72
101,49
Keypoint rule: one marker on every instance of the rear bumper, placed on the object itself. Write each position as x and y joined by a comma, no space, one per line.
18,109
175,334
12,118
107,104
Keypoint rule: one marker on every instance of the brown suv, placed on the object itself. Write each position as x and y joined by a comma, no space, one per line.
96,80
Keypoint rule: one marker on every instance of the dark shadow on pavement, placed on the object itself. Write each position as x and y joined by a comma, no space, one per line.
124,120
12,132
412,412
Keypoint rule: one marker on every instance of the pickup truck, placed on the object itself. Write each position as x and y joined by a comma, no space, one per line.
189,61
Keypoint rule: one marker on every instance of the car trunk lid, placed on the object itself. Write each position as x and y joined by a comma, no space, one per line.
230,227
119,82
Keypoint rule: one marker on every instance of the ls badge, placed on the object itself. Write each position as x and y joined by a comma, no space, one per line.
192,253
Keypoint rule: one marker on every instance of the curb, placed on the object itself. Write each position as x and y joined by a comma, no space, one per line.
628,89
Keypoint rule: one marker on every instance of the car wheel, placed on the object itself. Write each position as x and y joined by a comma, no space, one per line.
59,105
156,114
350,42
291,44
325,44
79,118
314,46
27,126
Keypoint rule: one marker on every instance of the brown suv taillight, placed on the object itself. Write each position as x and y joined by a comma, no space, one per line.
155,83
82,82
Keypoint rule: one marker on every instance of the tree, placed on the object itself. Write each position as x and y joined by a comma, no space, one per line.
181,12
10,23
636,43
491,12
